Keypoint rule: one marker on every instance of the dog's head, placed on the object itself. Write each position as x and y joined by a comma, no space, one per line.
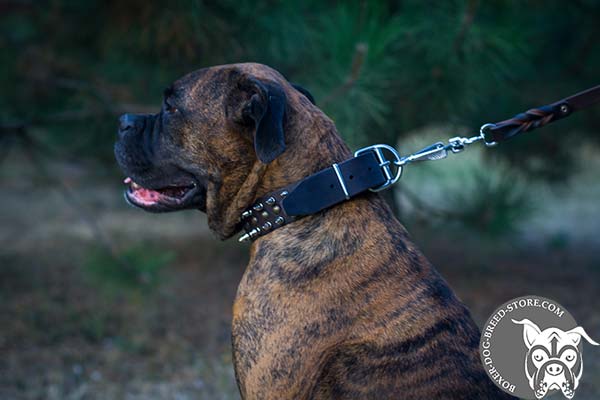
553,360
217,131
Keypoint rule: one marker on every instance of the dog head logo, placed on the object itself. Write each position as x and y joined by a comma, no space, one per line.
553,360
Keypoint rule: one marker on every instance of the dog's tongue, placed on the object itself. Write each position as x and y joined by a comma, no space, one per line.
149,196
146,196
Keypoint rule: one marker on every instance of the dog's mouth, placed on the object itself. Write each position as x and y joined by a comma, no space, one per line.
167,198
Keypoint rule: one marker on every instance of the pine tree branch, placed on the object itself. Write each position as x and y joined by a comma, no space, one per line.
465,25
358,60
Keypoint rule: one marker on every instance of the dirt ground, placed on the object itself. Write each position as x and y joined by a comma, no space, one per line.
68,331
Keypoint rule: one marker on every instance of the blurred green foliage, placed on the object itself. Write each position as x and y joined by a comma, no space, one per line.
493,205
487,197
380,69
134,270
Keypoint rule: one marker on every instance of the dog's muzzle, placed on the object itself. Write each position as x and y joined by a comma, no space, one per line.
554,375
155,182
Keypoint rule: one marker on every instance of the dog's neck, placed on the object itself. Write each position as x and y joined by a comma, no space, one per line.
326,244
312,144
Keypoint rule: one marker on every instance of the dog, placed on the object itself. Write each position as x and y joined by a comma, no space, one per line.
336,305
553,360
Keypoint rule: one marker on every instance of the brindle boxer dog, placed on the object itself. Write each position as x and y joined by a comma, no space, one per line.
337,305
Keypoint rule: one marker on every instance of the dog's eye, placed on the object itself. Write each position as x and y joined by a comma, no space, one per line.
569,355
538,355
170,108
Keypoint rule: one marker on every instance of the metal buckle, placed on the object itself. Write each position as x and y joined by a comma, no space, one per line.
385,164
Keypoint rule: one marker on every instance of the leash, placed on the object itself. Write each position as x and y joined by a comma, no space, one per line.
371,169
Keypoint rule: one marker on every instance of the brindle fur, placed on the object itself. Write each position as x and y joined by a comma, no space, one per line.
337,305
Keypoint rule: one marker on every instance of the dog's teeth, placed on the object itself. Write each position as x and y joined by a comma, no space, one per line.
135,186
127,181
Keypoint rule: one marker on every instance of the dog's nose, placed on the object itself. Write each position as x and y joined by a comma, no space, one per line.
554,369
126,124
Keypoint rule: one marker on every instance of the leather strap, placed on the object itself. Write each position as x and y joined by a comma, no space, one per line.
538,117
312,194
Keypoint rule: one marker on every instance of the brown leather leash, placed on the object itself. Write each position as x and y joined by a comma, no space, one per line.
541,116
371,169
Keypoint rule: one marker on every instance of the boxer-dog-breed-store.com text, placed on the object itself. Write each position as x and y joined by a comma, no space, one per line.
338,304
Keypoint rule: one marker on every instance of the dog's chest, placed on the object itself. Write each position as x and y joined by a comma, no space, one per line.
279,341
266,357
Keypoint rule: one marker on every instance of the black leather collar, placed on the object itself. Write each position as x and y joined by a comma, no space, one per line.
340,182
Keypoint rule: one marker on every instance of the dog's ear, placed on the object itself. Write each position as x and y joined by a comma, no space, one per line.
305,92
265,110
530,331
577,333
